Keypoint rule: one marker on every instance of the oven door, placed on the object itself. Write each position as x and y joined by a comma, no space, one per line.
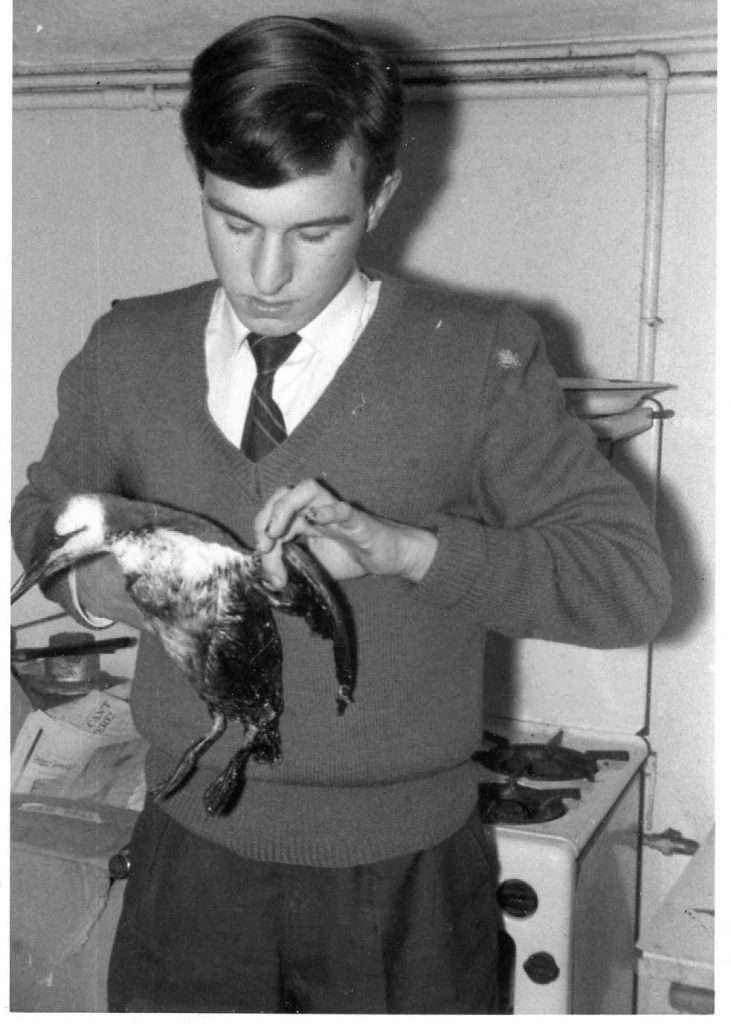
570,921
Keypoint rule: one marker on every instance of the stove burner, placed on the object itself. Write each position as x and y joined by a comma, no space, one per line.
509,803
544,761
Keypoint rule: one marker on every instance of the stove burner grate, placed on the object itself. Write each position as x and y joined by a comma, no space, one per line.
509,803
544,761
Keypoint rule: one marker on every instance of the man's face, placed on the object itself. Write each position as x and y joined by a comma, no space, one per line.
283,253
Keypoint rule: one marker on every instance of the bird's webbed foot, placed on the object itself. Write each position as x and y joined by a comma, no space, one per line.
225,790
189,761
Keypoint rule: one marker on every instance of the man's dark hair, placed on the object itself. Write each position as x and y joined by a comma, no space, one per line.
274,99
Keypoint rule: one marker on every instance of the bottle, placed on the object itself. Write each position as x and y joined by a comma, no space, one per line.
72,674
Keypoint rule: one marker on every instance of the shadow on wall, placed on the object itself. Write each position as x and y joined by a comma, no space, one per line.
691,588
424,164
691,591
424,161
691,579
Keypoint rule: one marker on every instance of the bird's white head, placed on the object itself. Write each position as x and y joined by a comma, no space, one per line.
81,526
77,530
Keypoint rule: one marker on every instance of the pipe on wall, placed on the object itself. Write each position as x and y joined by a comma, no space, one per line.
154,90
655,69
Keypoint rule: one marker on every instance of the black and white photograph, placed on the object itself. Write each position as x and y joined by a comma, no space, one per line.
363,507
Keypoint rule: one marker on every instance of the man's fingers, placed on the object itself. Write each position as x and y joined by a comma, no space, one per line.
276,518
273,568
339,512
262,520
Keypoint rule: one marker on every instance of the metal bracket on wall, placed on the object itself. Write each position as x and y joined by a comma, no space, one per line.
669,842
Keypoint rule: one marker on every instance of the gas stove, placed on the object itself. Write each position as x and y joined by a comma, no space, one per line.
568,852
569,847
590,794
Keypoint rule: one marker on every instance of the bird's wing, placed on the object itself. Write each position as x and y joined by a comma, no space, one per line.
202,527
242,672
313,594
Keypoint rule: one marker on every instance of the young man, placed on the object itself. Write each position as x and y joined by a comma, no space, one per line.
432,467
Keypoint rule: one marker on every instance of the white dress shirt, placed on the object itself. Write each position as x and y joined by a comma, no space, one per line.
302,378
299,382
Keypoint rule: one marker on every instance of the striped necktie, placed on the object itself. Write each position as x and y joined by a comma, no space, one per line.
264,428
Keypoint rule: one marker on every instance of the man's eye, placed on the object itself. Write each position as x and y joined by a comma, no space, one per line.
238,229
315,236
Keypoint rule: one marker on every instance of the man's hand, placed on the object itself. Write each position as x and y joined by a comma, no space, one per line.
101,591
349,542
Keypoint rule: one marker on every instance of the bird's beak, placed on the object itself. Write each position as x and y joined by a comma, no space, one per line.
33,574
52,560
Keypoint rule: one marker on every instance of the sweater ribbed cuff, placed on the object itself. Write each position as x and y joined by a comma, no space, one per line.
457,563
485,570
61,589
95,621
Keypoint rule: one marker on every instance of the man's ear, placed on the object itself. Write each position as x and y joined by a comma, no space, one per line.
385,194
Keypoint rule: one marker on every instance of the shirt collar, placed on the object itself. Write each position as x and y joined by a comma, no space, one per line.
339,320
335,325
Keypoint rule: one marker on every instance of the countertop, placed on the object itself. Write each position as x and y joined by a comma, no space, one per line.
678,941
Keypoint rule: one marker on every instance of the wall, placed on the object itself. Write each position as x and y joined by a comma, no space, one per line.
539,197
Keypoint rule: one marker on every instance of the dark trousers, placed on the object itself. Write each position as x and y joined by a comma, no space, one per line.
203,929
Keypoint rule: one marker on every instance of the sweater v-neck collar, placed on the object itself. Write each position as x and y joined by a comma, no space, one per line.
339,398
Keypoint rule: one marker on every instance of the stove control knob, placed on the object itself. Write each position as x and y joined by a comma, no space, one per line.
517,898
541,968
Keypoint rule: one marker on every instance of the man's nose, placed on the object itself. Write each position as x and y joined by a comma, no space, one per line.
271,266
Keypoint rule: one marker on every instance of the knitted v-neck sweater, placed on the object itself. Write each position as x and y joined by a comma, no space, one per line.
447,415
